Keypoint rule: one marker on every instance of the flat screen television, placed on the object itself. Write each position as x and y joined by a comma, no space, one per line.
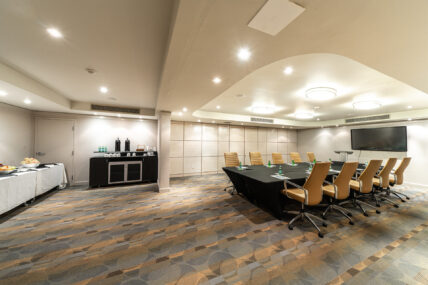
380,139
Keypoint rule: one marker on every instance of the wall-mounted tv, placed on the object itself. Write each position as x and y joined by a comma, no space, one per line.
380,139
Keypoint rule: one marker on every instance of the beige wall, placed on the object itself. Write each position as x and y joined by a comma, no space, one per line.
198,148
16,134
324,141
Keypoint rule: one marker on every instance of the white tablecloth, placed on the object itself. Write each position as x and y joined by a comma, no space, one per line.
16,190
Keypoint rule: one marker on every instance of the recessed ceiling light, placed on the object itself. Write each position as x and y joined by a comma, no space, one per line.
180,113
320,93
199,121
3,93
409,119
366,105
244,54
242,124
184,109
264,110
318,119
283,127
95,113
27,101
119,115
103,89
216,80
141,117
337,125
213,122
54,33
409,107
288,70
316,107
303,115
218,107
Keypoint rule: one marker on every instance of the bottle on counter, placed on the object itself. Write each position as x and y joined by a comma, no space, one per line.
117,145
127,145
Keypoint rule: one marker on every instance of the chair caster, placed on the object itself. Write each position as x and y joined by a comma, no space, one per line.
378,205
377,212
290,228
407,198
324,225
396,206
403,201
365,214
320,235
349,214
351,223
324,217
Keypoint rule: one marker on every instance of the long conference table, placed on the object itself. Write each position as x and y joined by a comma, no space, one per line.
261,184
22,187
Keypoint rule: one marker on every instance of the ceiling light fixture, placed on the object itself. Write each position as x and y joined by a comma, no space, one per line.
264,110
119,115
303,115
216,80
366,105
320,93
54,33
27,101
318,119
180,113
199,121
103,89
244,54
409,107
3,93
213,122
184,109
218,107
288,70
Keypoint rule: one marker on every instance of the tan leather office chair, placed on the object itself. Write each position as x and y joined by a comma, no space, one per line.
277,158
310,194
397,178
231,159
311,156
381,181
256,158
363,187
340,189
295,156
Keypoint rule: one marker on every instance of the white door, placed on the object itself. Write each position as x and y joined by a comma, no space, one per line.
55,143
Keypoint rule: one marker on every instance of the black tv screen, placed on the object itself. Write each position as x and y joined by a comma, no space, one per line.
380,139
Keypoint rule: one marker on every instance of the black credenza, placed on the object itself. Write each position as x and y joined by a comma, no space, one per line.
110,171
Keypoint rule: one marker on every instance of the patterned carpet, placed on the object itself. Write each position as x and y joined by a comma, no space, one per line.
198,234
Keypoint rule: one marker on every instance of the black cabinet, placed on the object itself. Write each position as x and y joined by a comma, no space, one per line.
150,169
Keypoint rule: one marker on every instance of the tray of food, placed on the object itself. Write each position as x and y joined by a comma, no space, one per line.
7,169
30,162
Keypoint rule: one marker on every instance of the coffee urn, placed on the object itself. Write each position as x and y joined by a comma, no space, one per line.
117,145
127,145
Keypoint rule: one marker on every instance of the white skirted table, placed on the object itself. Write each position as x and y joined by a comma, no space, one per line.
25,186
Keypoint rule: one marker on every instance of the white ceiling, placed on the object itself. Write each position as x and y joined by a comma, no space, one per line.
269,86
125,41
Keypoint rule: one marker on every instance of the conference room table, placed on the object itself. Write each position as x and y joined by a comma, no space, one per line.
259,183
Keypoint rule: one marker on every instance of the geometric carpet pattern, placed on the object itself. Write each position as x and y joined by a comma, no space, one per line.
198,234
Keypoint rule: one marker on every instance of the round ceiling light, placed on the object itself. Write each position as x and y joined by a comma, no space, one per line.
321,93
366,105
264,110
303,115
3,93
244,54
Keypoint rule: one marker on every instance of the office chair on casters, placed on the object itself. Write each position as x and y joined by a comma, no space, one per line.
381,182
310,194
231,159
340,190
363,187
311,156
397,178
256,158
295,156
277,158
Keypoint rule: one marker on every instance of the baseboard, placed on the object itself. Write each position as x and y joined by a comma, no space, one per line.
416,184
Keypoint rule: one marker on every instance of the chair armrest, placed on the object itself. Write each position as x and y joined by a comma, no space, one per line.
328,182
299,187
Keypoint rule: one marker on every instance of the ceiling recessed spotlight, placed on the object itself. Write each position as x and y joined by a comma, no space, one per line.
199,121
283,127
337,125
316,107
103,89
318,119
240,95
95,113
303,115
180,113
119,115
140,117
213,122
216,80
409,119
27,101
320,93
264,110
54,33
3,93
218,107
184,109
409,107
366,105
244,54
288,70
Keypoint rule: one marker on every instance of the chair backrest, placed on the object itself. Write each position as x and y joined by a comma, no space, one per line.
311,156
256,158
366,178
315,181
295,156
277,158
343,179
231,159
400,170
386,171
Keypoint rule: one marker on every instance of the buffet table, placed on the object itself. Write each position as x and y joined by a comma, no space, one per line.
21,187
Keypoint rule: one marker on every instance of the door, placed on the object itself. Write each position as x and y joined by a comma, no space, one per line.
54,142
116,172
133,173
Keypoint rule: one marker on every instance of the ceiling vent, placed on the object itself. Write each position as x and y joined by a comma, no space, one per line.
115,109
368,119
261,120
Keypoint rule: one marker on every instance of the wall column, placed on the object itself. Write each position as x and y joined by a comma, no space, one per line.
164,133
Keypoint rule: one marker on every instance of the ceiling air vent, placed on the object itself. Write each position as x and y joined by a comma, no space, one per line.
261,120
115,109
367,119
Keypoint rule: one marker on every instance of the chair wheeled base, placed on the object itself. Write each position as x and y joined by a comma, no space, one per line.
231,189
303,214
359,204
383,194
338,209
